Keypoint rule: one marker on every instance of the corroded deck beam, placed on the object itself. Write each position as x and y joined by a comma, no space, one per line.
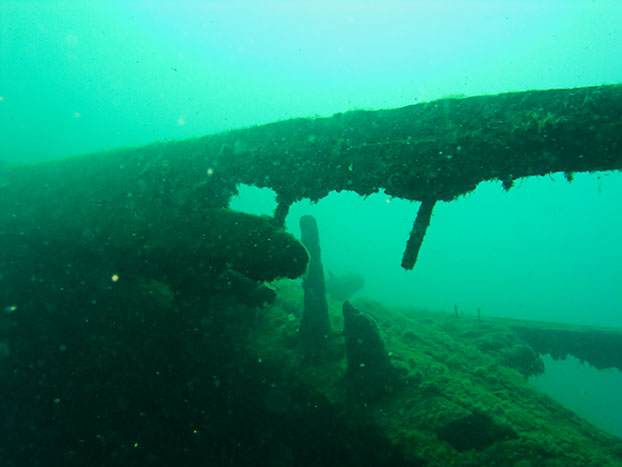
428,152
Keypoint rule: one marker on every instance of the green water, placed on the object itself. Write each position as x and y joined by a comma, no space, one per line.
77,77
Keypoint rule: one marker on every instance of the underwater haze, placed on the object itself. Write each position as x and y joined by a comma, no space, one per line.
80,77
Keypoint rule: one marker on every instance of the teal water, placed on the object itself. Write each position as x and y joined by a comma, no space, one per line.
81,77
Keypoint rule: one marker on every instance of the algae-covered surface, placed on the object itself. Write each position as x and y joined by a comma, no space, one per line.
463,397
136,370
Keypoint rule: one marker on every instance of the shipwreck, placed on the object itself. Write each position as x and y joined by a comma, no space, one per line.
145,323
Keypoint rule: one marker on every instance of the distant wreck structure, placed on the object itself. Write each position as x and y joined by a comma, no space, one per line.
343,286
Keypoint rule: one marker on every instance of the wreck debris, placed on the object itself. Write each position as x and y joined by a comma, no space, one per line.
369,368
417,233
315,326
281,211
194,251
